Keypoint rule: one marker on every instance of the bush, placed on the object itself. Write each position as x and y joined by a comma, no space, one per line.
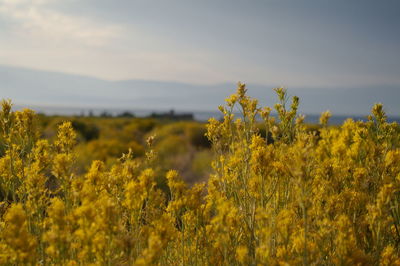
299,199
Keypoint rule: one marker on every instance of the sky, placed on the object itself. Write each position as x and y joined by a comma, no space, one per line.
314,43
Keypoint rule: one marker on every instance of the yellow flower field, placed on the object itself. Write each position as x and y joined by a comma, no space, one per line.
293,196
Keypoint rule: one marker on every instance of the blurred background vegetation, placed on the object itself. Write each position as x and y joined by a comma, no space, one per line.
179,145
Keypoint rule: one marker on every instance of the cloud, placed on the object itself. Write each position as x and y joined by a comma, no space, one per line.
302,45
37,19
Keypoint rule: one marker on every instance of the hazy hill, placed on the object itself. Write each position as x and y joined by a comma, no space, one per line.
33,87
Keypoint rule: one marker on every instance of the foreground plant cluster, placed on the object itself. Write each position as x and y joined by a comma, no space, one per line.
292,197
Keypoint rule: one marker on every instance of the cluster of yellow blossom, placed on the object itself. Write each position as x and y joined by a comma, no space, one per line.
290,196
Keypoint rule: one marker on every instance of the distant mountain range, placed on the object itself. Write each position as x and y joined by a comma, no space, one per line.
28,87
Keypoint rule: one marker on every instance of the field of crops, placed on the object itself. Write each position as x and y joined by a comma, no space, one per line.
281,194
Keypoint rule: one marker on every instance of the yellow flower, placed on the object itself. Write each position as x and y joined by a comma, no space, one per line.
241,254
324,118
16,236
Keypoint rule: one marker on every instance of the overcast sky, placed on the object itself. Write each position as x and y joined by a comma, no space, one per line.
299,43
